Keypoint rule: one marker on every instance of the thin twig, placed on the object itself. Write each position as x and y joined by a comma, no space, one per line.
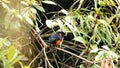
47,58
34,59
74,55
34,35
40,39
80,4
55,61
67,66
71,8
68,59
45,63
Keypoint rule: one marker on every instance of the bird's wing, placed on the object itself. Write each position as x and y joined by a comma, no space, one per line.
53,38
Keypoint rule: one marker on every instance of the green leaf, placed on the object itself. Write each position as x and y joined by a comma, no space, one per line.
118,15
114,55
112,3
106,48
29,20
80,39
2,41
2,54
11,53
81,66
90,17
40,8
103,22
37,29
16,59
64,11
94,48
12,56
5,5
20,64
65,29
33,10
60,22
101,55
49,2
26,66
51,23
7,43
95,66
102,3
5,62
24,3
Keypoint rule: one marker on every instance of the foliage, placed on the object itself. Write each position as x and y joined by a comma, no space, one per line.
93,23
16,22
93,26
23,12
8,55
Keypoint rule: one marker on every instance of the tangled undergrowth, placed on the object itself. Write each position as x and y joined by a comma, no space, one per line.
95,30
92,30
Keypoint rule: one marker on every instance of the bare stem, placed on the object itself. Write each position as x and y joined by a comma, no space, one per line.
74,55
46,58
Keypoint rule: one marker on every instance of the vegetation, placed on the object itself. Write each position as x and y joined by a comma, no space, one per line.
94,26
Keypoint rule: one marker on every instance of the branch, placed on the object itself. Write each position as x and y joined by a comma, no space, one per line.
39,37
47,58
34,59
74,55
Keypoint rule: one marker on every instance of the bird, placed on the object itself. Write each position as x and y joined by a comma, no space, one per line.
56,38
